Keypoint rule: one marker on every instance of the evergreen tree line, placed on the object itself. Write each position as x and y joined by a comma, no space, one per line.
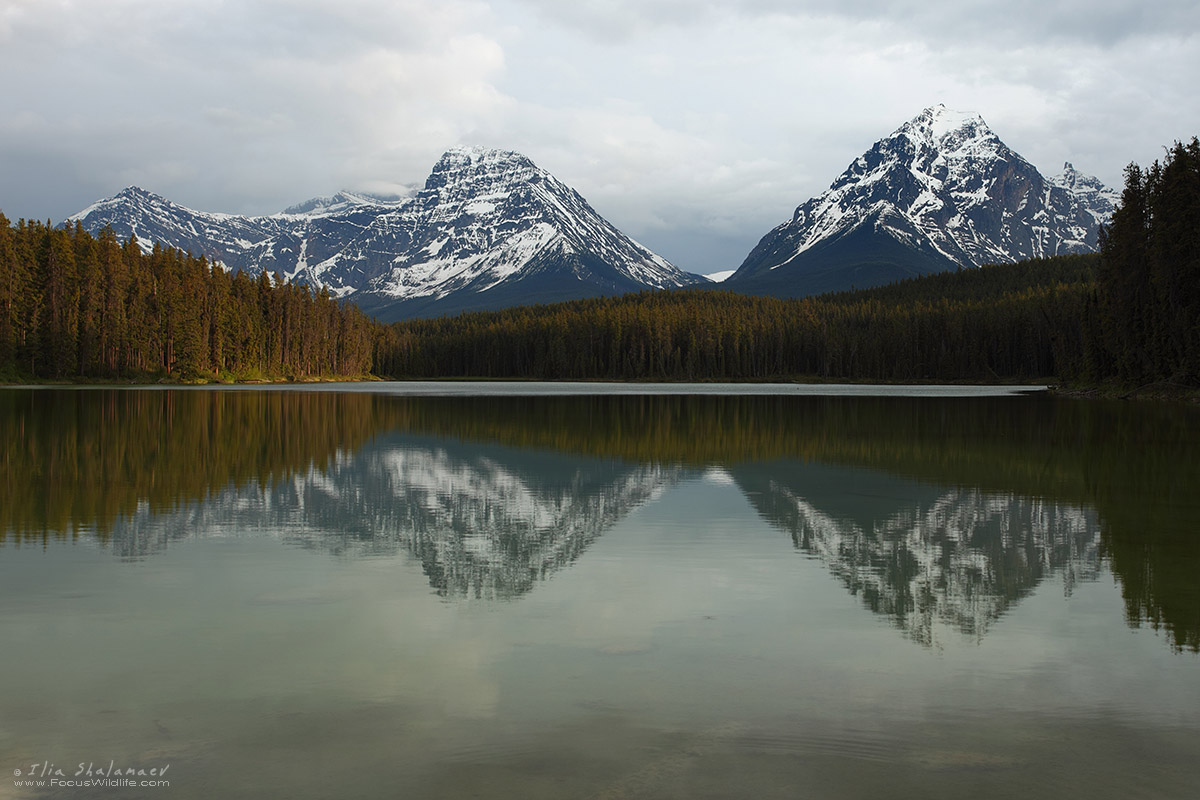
1009,322
1130,315
77,306
1143,323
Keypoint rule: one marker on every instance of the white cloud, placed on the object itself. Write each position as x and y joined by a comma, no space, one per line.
694,126
1102,22
248,106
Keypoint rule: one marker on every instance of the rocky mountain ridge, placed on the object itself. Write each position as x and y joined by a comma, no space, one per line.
941,192
489,229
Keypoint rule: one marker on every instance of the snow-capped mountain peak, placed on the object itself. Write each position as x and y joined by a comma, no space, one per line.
342,201
473,163
937,122
1095,198
130,195
488,217
941,191
489,229
152,218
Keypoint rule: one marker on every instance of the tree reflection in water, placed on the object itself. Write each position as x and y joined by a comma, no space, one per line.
929,509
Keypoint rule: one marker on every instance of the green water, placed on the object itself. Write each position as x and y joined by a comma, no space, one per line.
392,591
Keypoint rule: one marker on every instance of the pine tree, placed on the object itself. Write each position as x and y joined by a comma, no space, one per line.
10,285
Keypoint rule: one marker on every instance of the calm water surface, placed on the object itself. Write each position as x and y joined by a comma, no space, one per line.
418,591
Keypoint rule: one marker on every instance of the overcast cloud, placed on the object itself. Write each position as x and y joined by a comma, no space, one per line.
693,126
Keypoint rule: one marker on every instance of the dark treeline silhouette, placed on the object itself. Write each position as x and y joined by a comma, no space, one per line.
1143,323
77,306
1010,322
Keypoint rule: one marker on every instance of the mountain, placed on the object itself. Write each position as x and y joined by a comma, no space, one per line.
940,192
136,212
489,229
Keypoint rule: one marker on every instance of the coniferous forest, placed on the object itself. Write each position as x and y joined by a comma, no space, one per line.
1146,313
75,306
1009,322
1129,315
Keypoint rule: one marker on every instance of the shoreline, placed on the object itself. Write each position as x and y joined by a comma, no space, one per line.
1160,391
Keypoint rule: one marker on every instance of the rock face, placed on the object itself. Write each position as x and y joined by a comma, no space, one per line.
490,229
940,192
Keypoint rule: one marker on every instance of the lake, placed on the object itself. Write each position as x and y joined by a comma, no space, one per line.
597,591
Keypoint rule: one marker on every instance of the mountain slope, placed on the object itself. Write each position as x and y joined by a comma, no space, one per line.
941,191
489,229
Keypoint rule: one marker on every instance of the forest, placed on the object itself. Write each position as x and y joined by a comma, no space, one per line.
1010,322
77,307
1127,316
74,306
1145,317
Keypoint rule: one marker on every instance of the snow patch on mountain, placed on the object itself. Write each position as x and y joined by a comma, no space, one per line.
340,202
945,185
484,217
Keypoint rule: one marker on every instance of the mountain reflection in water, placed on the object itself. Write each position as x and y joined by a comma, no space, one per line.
930,510
961,557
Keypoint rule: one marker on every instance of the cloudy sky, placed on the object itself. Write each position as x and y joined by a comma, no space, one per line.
693,125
